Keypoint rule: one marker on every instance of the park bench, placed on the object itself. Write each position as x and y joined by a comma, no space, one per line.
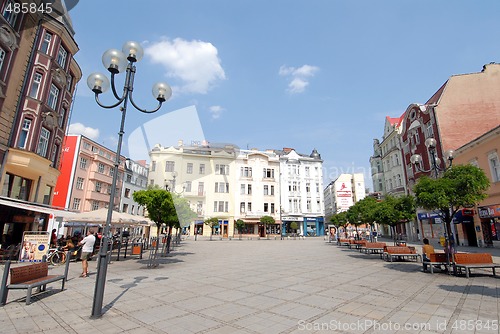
27,277
343,241
373,248
402,252
468,261
436,259
357,244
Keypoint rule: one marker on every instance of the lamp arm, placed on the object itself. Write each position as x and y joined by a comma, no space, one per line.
111,106
113,88
144,110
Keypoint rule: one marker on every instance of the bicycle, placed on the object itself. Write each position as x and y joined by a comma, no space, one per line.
56,256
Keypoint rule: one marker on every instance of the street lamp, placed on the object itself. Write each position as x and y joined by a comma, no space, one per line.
436,167
116,61
430,143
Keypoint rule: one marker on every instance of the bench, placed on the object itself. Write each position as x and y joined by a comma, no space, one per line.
34,275
435,259
373,248
468,261
402,252
357,244
343,242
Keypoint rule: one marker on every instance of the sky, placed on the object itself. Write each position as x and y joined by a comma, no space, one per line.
271,74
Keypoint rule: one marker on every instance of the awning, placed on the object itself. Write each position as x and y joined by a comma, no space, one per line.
464,216
30,206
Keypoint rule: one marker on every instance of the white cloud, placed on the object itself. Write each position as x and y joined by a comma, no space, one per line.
80,129
299,77
195,63
216,111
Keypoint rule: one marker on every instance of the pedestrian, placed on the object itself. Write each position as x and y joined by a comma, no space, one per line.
87,250
427,250
53,239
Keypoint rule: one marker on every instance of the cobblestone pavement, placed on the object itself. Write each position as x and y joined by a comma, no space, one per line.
262,286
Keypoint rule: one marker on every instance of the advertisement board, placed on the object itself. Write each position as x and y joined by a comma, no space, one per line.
35,246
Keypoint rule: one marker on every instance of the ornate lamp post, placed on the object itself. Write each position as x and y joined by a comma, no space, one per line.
436,167
115,62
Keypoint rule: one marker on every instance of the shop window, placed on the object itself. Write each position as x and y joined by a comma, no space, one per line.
16,187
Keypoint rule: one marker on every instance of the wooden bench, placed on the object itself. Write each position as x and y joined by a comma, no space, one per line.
468,261
357,244
402,252
435,259
29,277
373,248
343,242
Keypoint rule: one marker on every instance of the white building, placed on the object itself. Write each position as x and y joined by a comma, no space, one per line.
228,183
302,198
343,192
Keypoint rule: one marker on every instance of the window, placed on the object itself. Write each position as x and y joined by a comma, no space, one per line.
308,205
202,169
187,186
169,166
272,207
308,172
76,203
221,169
246,171
308,187
55,154
23,135
53,95
221,206
95,205
242,207
430,132
43,142
153,166
2,57
221,187
100,168
127,192
249,206
266,190
83,163
69,83
249,189
189,168
61,56
35,85
266,207
129,178
79,183
98,186
494,166
47,38
201,188
62,117
268,173
272,190
125,208
10,13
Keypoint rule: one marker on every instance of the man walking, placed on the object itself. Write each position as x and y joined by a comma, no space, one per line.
87,250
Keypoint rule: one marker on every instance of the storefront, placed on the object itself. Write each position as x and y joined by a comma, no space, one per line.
490,223
431,225
17,217
466,231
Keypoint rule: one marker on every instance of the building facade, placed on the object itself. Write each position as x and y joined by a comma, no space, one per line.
38,75
464,108
481,227
302,198
136,179
228,183
86,176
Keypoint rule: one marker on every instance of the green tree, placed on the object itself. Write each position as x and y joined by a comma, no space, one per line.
340,220
462,186
239,223
185,215
212,222
267,220
393,211
160,206
362,212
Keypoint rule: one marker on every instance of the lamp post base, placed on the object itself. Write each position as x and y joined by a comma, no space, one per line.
102,268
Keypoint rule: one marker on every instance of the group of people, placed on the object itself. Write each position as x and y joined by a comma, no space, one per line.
68,244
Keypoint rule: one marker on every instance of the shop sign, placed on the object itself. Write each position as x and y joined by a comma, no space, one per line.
489,211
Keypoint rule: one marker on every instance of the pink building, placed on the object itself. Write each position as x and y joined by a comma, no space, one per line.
86,175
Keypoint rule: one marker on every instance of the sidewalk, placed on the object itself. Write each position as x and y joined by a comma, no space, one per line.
261,286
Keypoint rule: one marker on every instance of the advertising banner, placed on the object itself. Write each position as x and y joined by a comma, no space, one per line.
35,246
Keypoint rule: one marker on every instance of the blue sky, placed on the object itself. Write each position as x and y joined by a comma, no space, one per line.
284,73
